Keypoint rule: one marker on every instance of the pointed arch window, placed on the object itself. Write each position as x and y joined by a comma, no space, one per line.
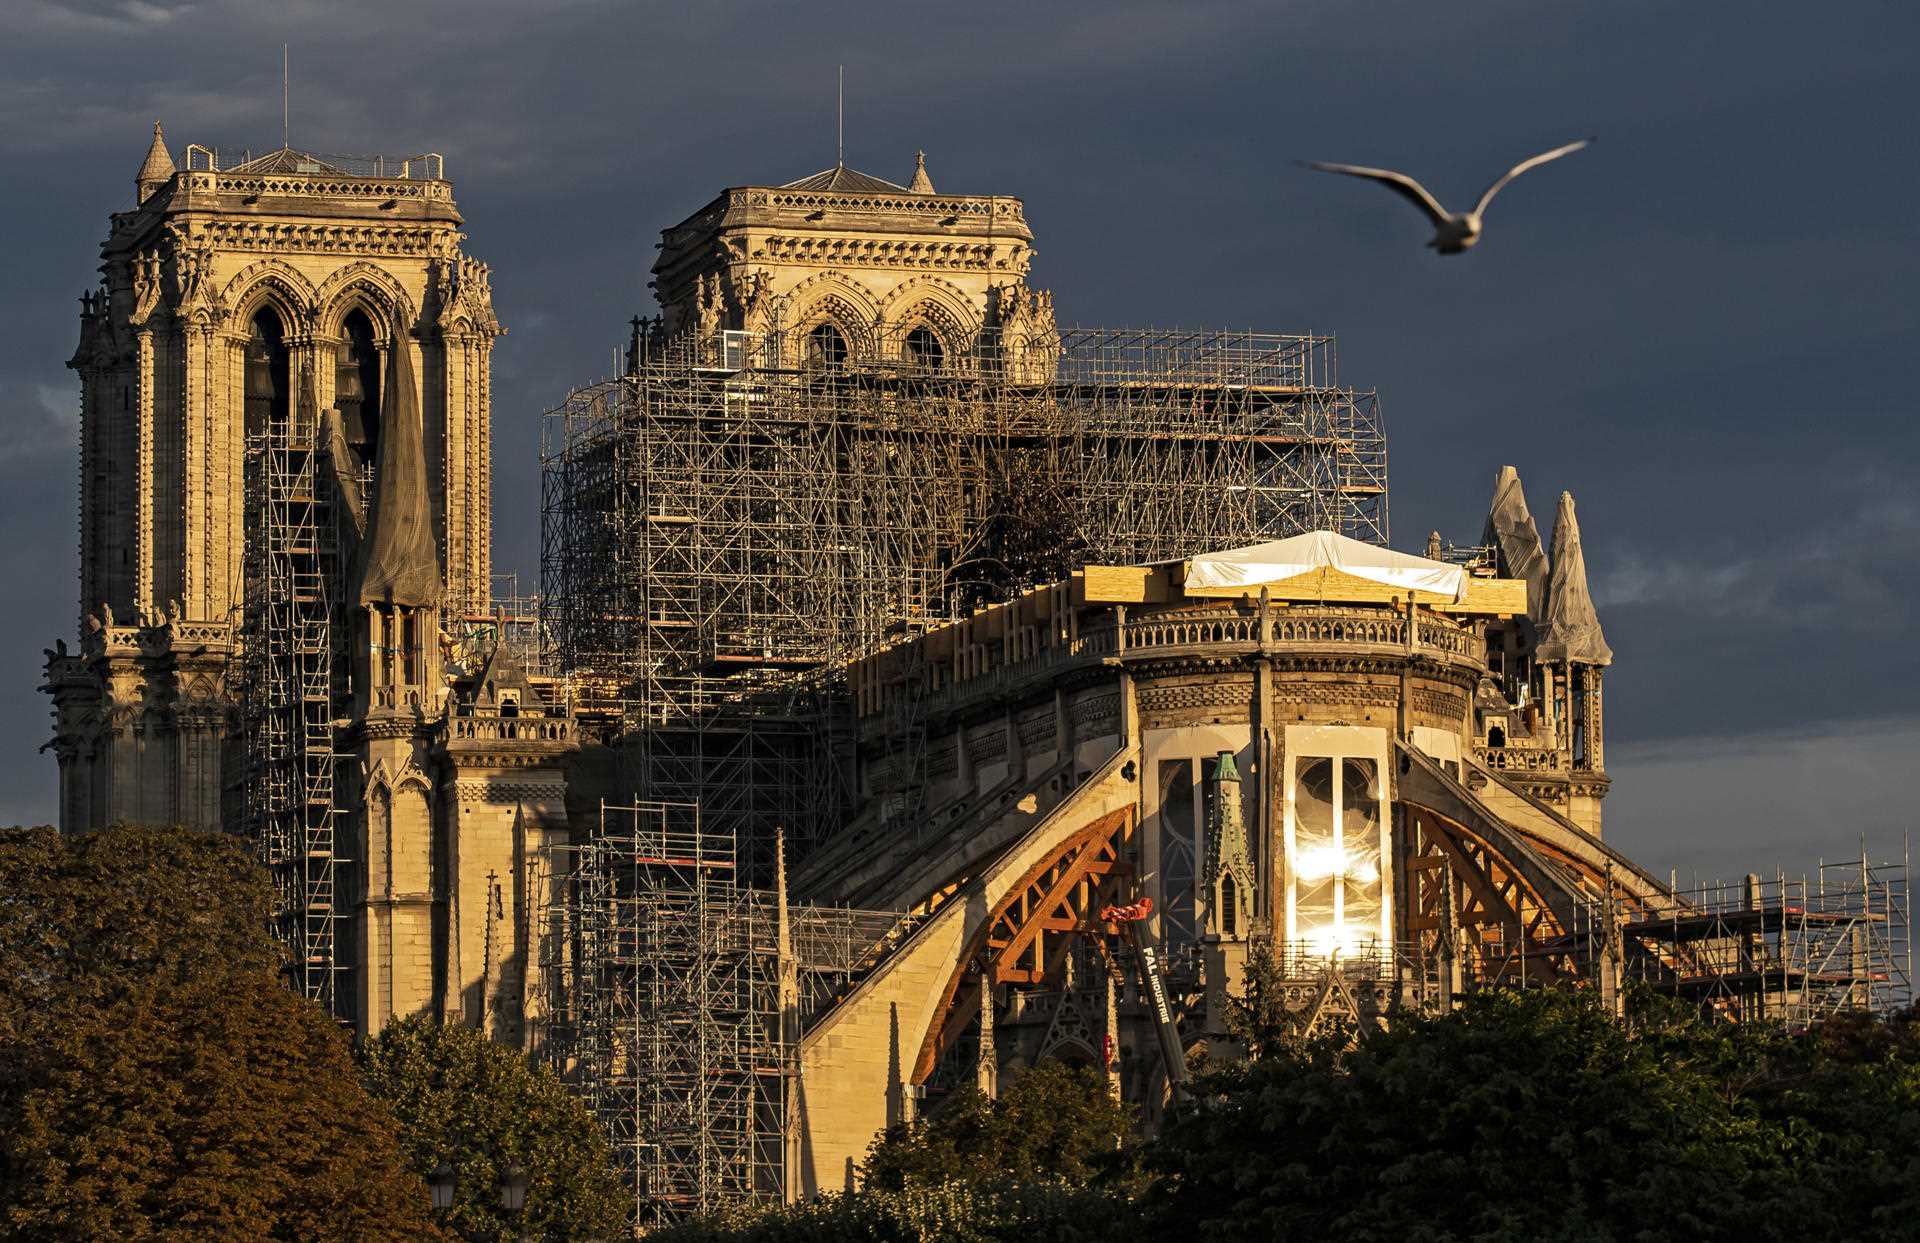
922,349
356,386
266,374
1180,852
827,347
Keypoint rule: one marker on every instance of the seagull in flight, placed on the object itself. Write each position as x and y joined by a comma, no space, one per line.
1453,232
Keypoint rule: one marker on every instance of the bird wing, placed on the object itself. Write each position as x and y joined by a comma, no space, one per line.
1487,195
1401,184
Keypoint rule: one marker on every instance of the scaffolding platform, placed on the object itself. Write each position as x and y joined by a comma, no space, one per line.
679,994
724,529
1790,949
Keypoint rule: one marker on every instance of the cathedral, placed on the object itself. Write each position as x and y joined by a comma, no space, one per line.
1030,676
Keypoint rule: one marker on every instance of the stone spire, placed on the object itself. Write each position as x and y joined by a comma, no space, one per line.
1516,541
1229,871
921,184
1571,634
157,169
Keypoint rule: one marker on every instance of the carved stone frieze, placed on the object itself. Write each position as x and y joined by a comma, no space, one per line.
1095,714
876,253
1438,703
505,791
1343,694
411,241
987,743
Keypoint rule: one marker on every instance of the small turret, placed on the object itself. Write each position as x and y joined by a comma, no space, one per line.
157,169
1229,871
921,184
1575,653
399,560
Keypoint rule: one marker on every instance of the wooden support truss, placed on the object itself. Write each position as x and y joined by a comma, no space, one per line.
1025,939
1464,898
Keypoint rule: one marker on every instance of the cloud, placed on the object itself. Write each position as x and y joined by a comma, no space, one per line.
46,422
1853,574
1681,328
1718,807
104,16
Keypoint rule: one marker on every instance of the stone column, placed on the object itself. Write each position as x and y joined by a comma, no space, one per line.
143,474
197,475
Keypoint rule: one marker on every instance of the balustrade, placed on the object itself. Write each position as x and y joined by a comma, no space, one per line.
512,729
1519,759
1231,627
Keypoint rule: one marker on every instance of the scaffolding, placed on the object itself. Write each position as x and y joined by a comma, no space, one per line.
291,675
676,1012
681,1048
1790,949
725,522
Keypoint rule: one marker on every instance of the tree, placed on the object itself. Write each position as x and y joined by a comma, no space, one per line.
1840,1104
1259,1017
954,1212
1053,1122
1520,1115
156,1079
481,1107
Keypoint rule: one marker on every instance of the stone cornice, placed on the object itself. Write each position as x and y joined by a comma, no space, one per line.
906,254
422,241
550,755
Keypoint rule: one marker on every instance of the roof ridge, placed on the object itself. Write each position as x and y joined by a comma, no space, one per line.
842,179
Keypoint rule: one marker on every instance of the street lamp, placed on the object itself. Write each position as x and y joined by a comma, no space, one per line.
513,1190
441,1183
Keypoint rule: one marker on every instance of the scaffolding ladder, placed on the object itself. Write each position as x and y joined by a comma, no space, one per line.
291,581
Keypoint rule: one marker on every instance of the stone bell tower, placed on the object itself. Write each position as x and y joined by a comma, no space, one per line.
239,298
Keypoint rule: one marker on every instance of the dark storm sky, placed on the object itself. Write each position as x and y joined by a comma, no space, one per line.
1704,326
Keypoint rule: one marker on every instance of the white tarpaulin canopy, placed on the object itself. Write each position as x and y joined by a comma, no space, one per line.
1303,554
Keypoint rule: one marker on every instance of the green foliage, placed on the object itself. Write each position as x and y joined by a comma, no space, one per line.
481,1107
1525,1116
1259,1017
156,1079
1053,1122
1519,1116
956,1212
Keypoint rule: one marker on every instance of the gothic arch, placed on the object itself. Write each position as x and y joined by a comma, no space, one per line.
941,305
956,341
382,776
369,288
275,283
832,295
412,778
378,777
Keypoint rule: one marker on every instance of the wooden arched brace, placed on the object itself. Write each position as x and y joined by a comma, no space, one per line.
1491,892
1023,939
